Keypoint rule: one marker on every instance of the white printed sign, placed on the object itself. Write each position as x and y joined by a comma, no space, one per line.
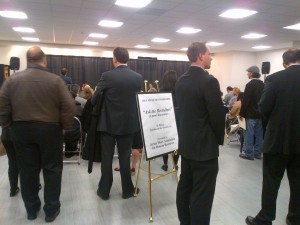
158,123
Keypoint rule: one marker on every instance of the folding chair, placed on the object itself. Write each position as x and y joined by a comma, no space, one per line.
73,140
233,134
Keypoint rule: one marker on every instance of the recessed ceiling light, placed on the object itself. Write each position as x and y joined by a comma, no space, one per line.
293,27
13,14
142,46
95,35
214,44
24,29
188,30
31,39
184,49
160,40
254,36
261,47
133,3
110,23
90,43
237,13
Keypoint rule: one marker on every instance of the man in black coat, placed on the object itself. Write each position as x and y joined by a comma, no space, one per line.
253,135
118,121
201,131
280,104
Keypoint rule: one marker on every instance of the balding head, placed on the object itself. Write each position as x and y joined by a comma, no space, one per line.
35,55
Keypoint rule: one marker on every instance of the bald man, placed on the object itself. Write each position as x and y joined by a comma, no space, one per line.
37,106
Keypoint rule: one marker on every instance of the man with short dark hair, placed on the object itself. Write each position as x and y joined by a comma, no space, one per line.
37,106
228,96
118,121
63,75
281,149
201,131
253,135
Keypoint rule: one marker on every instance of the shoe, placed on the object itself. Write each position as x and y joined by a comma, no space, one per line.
251,221
13,193
117,169
49,219
257,157
132,171
102,196
244,156
164,167
33,216
132,194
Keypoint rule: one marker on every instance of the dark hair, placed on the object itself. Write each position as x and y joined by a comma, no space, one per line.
63,71
194,50
255,75
74,89
121,54
240,96
169,80
229,88
291,55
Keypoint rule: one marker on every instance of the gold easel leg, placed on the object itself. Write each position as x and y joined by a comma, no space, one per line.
138,175
150,191
174,167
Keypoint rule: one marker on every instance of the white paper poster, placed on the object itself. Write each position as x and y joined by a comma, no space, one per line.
158,123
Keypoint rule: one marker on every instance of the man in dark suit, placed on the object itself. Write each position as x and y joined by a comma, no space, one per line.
118,121
201,131
280,103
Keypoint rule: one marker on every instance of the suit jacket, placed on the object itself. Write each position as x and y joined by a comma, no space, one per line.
280,104
252,94
202,115
119,115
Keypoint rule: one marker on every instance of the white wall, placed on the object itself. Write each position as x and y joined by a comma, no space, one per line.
229,68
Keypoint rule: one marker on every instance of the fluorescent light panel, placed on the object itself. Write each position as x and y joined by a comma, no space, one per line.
160,40
13,14
133,3
188,30
142,46
90,43
96,35
261,47
293,27
110,23
214,44
33,39
184,49
237,13
24,29
253,36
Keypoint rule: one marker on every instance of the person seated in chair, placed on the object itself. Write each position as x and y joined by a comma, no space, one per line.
72,135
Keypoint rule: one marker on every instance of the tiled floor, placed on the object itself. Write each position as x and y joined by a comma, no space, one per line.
237,195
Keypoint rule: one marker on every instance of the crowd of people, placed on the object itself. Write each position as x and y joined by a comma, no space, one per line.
34,133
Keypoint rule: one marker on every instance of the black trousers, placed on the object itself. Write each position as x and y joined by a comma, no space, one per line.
166,157
124,143
274,166
196,190
13,171
39,146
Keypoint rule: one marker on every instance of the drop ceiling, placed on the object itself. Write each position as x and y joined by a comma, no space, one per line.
69,22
